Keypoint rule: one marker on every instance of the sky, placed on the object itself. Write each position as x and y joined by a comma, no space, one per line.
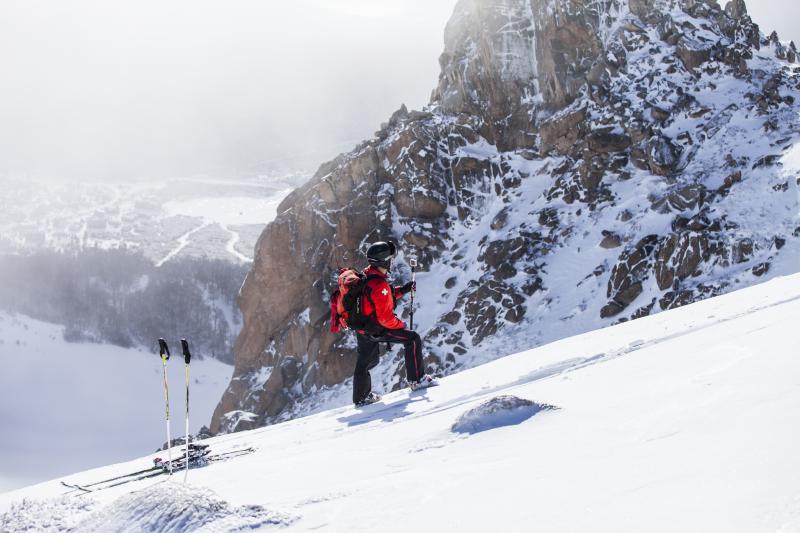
122,90
105,89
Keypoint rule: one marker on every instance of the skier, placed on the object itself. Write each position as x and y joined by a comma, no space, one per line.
377,305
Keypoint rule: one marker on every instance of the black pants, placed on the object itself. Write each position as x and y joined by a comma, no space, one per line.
369,354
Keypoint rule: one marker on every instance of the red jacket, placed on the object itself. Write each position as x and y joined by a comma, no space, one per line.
384,297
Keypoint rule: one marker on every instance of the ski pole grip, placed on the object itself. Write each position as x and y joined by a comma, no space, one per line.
185,347
163,348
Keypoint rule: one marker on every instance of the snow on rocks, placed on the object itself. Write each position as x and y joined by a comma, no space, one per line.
46,516
581,164
178,508
498,412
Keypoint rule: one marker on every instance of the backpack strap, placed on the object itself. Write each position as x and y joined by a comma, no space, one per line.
335,325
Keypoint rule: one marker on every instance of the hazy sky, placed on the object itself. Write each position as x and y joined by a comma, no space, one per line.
106,89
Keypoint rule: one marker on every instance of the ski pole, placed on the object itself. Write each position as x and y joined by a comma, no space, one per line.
164,352
186,358
413,263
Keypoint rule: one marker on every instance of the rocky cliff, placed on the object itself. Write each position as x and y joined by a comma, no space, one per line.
581,162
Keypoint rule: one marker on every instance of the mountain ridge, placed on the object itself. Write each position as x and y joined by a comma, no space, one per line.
580,164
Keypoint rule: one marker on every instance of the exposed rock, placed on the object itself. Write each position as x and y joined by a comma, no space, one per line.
663,156
639,158
686,198
767,161
736,9
646,10
692,54
742,251
660,114
561,132
632,268
680,257
511,250
673,300
730,181
549,217
603,141
452,318
505,271
761,269
418,240
610,240
499,222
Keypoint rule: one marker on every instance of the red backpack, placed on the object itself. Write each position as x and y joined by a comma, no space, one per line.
346,308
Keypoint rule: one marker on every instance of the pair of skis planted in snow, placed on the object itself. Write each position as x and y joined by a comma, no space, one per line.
163,349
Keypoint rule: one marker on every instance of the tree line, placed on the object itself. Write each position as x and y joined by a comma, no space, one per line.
120,297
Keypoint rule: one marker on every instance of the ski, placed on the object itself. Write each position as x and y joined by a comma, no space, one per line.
85,487
161,467
202,460
121,480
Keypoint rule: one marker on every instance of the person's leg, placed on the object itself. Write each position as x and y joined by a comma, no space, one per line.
411,341
368,357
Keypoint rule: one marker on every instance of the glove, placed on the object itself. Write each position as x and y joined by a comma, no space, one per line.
408,287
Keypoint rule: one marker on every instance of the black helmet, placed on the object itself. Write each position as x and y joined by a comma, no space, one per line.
380,254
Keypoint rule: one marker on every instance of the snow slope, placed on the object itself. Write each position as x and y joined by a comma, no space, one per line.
67,407
681,421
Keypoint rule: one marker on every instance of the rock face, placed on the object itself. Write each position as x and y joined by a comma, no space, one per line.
581,162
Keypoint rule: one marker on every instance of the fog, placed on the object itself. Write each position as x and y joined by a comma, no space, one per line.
148,89
112,90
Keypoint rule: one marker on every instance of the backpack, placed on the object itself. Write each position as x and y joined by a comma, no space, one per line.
346,303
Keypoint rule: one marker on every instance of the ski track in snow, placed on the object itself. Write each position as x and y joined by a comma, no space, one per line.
183,242
230,246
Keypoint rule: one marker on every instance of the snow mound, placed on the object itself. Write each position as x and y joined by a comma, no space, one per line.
498,412
46,516
178,508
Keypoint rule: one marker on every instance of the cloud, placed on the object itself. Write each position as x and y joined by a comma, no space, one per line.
122,90
362,8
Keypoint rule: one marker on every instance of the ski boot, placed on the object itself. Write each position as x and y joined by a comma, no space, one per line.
370,398
423,383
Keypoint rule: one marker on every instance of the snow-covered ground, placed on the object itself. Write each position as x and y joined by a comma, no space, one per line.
67,407
681,421
192,216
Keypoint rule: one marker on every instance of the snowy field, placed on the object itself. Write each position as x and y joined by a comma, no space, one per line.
681,421
195,217
67,407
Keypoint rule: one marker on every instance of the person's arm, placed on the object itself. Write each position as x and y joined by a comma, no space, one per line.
384,306
402,290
